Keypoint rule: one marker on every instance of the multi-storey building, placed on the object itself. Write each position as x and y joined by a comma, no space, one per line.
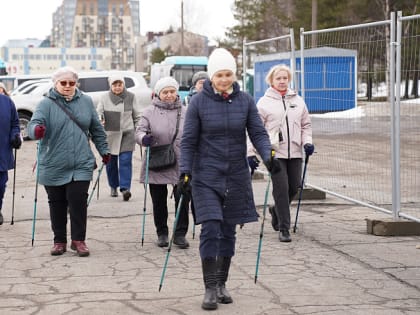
44,60
97,35
171,44
113,24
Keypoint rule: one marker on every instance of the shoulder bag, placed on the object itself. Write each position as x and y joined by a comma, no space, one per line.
163,156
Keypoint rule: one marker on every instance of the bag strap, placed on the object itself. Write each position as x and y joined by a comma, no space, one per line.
71,116
177,123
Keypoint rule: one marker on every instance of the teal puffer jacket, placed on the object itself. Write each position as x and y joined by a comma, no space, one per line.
65,153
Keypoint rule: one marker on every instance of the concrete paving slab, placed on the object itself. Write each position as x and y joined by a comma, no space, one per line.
332,266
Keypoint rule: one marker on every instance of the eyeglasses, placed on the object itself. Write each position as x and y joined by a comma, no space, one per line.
69,83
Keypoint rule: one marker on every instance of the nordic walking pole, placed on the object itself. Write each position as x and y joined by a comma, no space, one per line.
262,228
36,190
193,230
146,183
170,242
193,215
96,184
301,190
14,186
97,192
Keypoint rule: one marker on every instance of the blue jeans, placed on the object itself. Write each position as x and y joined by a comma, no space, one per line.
119,170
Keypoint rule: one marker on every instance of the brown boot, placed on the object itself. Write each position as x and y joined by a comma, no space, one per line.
58,249
80,247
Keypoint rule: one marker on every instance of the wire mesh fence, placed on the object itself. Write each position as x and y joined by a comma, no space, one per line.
367,141
353,147
408,65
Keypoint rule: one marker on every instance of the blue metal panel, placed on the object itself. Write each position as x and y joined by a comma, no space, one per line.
63,60
93,65
261,70
329,81
26,68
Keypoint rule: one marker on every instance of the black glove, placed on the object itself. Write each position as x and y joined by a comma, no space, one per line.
16,142
147,140
309,148
253,163
273,164
184,185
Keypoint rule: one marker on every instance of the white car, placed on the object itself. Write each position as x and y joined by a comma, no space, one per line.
28,86
94,84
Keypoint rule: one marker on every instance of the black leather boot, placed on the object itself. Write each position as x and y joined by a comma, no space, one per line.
209,276
222,273
1,218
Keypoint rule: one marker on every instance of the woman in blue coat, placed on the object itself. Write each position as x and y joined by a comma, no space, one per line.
213,156
9,139
66,161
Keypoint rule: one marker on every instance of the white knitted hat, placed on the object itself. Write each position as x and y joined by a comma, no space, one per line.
115,77
165,82
65,73
220,59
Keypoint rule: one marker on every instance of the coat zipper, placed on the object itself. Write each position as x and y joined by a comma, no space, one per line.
288,132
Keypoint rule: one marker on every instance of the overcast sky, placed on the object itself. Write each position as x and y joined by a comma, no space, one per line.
33,18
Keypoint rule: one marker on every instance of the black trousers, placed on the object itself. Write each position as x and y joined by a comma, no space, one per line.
217,239
3,181
71,197
285,187
159,195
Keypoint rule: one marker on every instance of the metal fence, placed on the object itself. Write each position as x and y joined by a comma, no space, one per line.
368,154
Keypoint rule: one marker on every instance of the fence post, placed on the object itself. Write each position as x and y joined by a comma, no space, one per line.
395,120
395,57
293,59
302,67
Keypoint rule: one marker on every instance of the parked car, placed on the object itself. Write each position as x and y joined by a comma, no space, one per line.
28,86
94,84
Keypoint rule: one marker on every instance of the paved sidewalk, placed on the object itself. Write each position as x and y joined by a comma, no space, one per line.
332,266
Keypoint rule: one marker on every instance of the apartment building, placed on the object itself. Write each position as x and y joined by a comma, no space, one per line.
113,24
97,35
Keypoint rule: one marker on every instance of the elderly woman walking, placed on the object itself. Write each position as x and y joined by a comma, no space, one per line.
161,124
213,156
286,118
119,113
63,122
